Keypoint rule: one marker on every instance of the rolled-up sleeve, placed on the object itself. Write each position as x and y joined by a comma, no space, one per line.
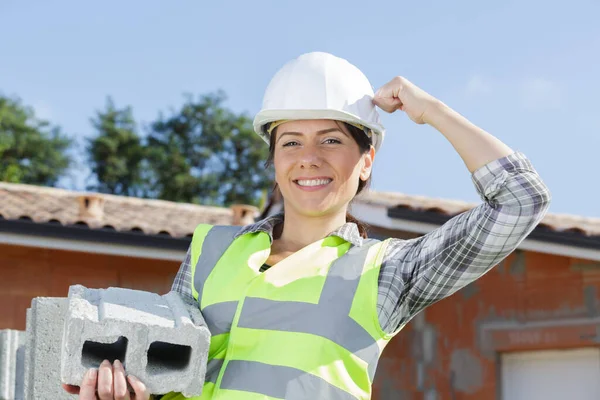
416,273
182,284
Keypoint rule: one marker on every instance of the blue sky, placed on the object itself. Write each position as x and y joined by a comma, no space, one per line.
526,71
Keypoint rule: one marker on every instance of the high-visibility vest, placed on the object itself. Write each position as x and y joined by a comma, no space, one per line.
307,328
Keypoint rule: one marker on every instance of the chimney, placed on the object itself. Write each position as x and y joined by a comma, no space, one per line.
91,206
243,214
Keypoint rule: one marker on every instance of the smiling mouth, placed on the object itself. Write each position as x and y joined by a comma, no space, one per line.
310,183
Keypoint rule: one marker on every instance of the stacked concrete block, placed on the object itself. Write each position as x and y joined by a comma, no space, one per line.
159,339
12,358
45,321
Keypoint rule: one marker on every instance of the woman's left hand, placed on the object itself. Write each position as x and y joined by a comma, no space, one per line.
109,382
401,94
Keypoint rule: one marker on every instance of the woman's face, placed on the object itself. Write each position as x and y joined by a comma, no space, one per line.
318,165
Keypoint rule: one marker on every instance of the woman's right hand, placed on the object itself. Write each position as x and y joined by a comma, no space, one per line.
109,382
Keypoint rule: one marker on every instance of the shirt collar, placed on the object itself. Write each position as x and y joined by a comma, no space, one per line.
349,231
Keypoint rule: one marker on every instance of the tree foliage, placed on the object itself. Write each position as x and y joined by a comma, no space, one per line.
207,154
32,151
201,152
116,152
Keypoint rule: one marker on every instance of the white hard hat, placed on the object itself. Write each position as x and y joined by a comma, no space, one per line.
320,86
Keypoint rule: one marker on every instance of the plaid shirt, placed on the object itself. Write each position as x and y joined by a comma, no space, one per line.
418,272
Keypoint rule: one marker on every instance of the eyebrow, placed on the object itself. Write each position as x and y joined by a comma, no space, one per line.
321,132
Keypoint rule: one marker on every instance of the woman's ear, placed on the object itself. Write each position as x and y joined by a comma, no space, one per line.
368,159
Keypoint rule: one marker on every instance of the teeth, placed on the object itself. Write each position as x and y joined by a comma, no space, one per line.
313,182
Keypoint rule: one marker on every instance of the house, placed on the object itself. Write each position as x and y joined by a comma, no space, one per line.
52,238
530,328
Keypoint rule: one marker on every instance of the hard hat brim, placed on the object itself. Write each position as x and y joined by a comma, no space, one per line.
265,117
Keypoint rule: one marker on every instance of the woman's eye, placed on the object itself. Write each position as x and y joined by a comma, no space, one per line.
289,144
332,141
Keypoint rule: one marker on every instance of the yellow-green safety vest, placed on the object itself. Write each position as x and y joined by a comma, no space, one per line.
307,328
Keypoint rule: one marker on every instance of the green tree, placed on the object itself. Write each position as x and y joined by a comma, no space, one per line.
207,154
32,151
116,153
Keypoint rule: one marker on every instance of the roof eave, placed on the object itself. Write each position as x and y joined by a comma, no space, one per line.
85,234
540,233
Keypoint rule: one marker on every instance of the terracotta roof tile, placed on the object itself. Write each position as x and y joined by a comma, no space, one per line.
44,204
556,222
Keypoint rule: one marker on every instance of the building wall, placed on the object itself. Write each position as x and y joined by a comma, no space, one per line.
531,301
449,351
27,272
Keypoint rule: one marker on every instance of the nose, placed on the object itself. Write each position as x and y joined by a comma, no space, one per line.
310,158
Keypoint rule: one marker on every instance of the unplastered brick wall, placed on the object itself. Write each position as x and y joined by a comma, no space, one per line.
37,272
531,301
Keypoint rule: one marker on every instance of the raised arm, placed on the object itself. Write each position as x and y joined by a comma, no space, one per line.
474,145
416,273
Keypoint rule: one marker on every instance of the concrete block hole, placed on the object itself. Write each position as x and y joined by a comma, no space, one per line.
94,353
167,357
162,357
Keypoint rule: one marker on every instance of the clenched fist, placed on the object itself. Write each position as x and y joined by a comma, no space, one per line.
401,94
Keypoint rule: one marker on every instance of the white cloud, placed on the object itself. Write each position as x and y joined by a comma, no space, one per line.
540,94
478,86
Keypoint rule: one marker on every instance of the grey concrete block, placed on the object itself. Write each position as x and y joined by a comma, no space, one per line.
159,339
45,321
12,357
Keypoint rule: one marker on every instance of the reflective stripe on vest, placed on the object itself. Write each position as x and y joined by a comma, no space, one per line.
279,382
296,317
212,370
215,243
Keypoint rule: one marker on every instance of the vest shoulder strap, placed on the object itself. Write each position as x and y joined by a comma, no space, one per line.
212,246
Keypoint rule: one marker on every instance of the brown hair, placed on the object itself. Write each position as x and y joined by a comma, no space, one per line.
364,145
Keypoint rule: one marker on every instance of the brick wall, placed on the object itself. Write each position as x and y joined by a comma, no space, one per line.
450,350
531,301
27,272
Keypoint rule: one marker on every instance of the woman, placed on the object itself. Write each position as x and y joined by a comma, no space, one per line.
301,305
